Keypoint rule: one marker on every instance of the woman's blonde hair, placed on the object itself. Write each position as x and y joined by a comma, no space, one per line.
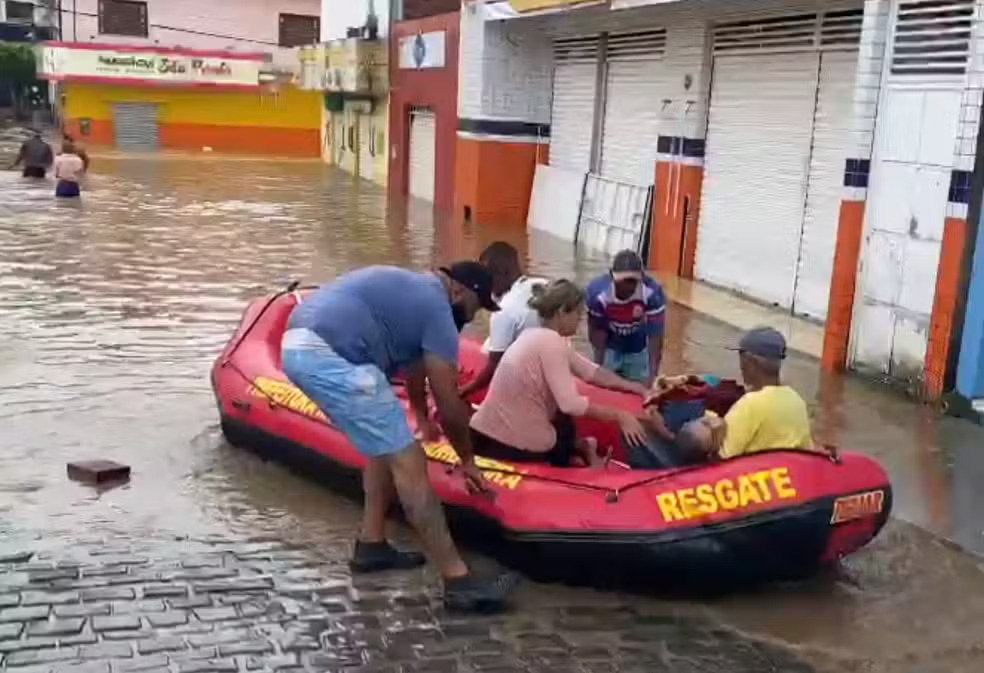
558,295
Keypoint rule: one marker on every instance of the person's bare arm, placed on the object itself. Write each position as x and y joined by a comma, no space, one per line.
416,378
598,336
604,378
443,377
484,377
655,355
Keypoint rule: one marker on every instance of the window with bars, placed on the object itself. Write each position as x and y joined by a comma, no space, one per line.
298,30
123,17
932,37
832,29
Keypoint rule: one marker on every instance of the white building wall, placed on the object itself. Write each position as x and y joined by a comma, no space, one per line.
924,130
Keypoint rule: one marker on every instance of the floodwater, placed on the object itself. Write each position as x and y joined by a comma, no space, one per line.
112,310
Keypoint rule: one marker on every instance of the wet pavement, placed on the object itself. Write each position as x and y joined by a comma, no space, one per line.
211,560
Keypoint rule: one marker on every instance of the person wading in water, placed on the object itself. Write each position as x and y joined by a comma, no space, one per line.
36,155
69,169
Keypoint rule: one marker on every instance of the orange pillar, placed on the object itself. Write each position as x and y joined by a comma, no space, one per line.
494,166
676,205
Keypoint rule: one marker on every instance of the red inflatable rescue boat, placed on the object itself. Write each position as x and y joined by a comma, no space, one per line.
766,516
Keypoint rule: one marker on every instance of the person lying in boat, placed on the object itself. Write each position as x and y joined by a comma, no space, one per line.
340,345
768,416
527,415
514,290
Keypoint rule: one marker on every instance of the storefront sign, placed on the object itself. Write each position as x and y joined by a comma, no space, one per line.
423,50
109,64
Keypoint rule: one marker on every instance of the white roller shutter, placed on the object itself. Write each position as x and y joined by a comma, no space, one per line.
765,95
758,152
573,107
423,139
636,86
135,126
831,137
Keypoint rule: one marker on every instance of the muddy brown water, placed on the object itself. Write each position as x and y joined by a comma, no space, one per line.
112,309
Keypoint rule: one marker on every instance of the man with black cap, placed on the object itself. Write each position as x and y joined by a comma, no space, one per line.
342,344
626,309
769,415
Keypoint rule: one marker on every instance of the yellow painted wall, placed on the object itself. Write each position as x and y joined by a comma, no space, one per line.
289,108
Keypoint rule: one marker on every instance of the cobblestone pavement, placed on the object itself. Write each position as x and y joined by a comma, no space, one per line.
266,606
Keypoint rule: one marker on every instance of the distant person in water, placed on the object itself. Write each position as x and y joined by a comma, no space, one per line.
36,155
69,169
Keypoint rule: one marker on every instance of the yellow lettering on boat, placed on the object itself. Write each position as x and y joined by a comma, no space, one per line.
728,494
283,394
500,474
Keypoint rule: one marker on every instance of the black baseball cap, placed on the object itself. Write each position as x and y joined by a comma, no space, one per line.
475,277
765,342
627,264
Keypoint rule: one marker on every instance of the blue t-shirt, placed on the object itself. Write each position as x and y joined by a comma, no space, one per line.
382,315
631,322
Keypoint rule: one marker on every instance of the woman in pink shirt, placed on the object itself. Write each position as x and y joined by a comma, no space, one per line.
527,415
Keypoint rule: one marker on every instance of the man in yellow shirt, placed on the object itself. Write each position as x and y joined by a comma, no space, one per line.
768,416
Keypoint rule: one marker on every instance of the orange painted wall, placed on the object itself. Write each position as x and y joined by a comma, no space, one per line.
840,307
944,304
494,179
676,211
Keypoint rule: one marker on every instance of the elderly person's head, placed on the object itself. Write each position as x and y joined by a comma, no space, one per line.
760,355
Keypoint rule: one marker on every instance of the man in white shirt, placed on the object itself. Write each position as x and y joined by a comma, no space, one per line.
513,290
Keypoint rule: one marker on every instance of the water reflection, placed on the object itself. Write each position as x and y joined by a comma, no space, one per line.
113,308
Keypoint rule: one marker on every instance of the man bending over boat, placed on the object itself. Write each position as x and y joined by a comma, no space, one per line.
768,416
514,315
528,413
341,345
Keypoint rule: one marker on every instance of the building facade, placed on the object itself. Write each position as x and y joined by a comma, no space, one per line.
423,103
350,66
815,156
178,74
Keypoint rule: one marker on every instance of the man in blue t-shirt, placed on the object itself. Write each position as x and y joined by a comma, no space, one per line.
626,310
341,345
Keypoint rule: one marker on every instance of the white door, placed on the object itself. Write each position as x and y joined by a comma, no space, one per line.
422,149
831,138
366,144
573,108
755,177
637,83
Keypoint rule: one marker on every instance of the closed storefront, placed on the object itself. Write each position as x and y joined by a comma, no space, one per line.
636,85
573,107
136,126
422,148
777,137
202,100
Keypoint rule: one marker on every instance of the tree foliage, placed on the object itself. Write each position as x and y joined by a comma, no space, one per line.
17,64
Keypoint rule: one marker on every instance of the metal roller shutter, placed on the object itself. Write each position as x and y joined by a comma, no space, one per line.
636,86
831,135
422,149
757,204
135,126
573,107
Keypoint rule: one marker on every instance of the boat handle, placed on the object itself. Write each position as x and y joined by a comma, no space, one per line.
242,405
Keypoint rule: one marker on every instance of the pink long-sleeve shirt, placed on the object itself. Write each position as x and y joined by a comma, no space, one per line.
536,377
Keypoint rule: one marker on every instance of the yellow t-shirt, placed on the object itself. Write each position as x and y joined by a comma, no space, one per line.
774,417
